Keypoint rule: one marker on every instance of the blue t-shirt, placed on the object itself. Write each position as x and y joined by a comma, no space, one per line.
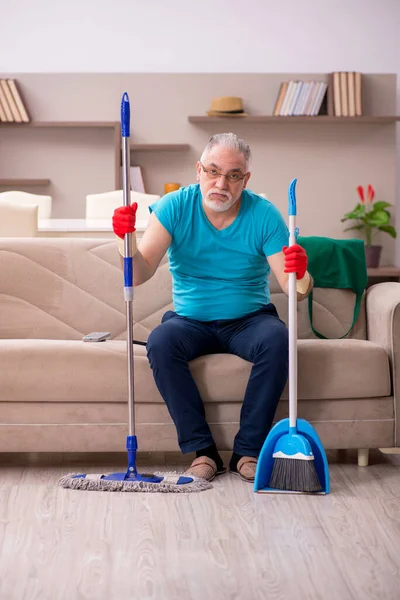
219,274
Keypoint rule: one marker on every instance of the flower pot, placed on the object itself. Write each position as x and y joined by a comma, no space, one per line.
373,255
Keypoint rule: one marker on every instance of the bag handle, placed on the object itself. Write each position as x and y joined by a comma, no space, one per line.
356,312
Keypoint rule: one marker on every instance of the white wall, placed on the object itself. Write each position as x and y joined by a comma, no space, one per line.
199,35
192,36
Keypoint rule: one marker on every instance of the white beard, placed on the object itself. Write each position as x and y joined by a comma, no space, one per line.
217,205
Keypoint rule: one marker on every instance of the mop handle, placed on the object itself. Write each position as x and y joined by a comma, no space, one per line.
292,312
128,262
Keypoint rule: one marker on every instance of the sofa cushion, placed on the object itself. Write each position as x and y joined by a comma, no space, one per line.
327,369
76,371
342,369
63,370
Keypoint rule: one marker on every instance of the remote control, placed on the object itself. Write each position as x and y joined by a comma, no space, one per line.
97,336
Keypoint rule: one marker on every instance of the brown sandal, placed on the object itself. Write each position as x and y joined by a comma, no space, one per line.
246,468
205,468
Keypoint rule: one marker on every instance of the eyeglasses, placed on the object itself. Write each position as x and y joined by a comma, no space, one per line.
233,177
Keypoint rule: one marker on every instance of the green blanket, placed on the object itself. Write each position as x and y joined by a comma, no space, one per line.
336,264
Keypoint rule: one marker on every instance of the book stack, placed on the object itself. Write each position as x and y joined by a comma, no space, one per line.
346,94
300,98
12,108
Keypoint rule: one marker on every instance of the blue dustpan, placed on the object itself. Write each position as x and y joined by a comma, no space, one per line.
292,437
266,461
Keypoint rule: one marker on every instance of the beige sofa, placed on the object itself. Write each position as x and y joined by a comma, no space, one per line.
58,393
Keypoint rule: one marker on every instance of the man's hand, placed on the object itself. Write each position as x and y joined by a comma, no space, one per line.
296,260
124,220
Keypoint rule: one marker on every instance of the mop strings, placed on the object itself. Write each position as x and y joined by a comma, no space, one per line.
95,483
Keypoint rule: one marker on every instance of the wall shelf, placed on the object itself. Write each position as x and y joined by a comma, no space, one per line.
160,147
295,120
96,124
113,125
386,271
24,182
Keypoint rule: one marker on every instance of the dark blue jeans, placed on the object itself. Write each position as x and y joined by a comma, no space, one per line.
261,338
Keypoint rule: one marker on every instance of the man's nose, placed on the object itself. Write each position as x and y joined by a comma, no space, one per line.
221,182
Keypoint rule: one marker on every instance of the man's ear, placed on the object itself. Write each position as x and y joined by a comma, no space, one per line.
246,179
198,169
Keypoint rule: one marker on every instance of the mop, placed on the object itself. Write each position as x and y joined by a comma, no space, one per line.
131,480
292,458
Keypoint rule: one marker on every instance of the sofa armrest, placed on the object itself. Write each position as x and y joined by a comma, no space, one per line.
383,328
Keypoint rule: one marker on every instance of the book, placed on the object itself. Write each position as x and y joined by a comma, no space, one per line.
295,98
311,98
336,95
16,117
137,183
320,96
3,117
135,179
351,93
358,93
286,100
5,106
280,98
297,111
12,84
344,97
329,96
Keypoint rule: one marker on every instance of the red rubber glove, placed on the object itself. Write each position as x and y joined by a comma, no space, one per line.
296,260
124,220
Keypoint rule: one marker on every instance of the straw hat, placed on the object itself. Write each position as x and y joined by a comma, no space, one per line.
226,106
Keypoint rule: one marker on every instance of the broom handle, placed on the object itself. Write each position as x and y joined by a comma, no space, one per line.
292,313
128,263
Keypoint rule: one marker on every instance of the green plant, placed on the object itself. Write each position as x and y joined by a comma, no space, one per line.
370,216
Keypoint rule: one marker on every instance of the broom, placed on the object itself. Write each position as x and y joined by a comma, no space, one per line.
294,468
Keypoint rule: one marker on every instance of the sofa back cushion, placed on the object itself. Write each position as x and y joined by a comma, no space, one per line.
64,288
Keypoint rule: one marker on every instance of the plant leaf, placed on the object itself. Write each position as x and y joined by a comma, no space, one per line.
381,205
388,229
377,217
359,227
357,213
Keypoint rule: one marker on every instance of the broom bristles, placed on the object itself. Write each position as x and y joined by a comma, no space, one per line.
296,475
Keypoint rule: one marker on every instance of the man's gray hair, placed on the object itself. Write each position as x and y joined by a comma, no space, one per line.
231,141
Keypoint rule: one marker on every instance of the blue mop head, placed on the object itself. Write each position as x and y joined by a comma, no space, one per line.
120,482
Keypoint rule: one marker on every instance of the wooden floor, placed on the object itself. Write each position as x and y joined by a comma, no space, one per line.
225,543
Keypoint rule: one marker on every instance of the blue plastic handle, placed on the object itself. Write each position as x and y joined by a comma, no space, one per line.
125,115
128,272
292,198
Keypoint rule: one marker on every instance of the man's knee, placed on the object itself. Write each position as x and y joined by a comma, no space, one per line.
275,344
159,344
166,342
